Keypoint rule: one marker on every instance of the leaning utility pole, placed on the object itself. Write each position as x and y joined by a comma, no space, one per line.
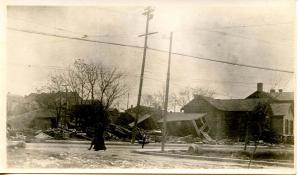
148,13
166,97
66,109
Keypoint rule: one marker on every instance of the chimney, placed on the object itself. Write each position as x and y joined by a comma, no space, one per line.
260,87
280,90
272,90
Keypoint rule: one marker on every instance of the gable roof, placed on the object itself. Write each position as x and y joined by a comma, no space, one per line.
141,109
179,116
228,104
236,104
283,96
280,109
276,96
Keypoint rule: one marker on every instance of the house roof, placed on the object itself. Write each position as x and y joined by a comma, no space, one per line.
277,96
283,96
141,119
236,104
179,116
280,109
141,109
228,104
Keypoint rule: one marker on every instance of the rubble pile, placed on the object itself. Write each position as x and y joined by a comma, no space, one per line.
59,133
118,132
185,139
154,135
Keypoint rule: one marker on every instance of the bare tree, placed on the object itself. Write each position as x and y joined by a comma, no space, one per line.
188,93
155,100
110,85
205,92
55,86
173,101
73,83
80,72
148,100
184,96
178,99
92,75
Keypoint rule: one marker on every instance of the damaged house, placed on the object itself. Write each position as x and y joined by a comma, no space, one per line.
224,118
147,120
234,118
183,124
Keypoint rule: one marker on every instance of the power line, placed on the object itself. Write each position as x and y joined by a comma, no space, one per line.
238,36
159,50
161,81
46,26
120,35
254,25
74,38
203,29
225,62
227,34
247,84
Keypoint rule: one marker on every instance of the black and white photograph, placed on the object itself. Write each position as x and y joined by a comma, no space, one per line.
195,85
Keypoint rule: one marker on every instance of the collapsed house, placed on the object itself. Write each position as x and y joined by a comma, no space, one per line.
236,118
147,118
183,124
114,114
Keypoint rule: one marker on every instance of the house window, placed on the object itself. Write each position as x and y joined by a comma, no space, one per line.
292,127
286,122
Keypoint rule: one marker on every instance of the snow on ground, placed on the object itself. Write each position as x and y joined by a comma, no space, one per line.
37,155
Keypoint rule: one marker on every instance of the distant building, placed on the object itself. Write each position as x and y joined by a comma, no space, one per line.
37,119
39,110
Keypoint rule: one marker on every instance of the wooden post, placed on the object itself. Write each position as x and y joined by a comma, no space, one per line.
166,96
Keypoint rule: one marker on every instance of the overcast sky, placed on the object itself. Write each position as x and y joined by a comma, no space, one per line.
258,33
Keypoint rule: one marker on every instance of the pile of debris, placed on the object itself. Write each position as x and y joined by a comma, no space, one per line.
185,139
59,133
154,135
113,133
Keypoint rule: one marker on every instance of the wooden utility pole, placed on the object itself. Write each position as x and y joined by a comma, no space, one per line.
166,96
149,15
127,100
66,109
